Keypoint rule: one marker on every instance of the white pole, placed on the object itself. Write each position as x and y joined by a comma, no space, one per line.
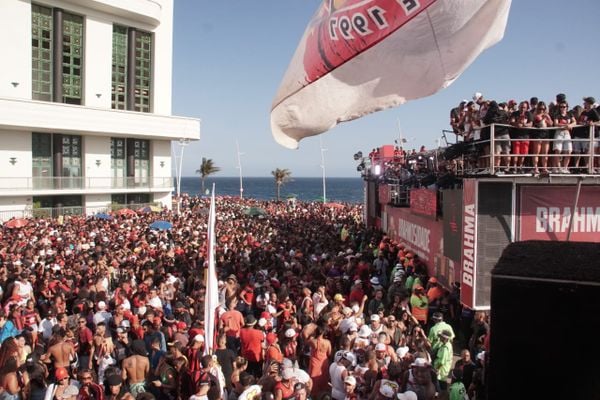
323,168
182,143
239,160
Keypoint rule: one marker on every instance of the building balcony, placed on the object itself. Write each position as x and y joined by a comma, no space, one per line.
80,185
148,11
40,116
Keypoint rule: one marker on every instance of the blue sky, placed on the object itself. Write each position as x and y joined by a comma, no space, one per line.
230,55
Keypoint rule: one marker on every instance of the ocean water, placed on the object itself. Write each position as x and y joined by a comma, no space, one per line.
306,189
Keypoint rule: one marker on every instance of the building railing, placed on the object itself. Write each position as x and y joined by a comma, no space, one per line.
53,212
486,150
83,183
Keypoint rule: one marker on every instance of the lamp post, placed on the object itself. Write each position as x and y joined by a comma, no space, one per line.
239,160
183,142
323,168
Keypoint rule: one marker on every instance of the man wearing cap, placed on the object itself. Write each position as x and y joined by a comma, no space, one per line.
115,387
349,388
419,304
443,358
439,326
338,372
251,340
136,368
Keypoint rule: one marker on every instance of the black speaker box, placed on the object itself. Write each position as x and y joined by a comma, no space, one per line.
545,322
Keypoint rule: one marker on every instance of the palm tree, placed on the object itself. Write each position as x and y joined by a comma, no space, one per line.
206,168
281,176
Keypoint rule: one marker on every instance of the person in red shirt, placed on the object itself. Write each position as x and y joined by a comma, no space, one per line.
231,322
86,338
273,352
357,293
251,345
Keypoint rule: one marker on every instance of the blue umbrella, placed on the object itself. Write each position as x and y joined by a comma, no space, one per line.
161,225
104,216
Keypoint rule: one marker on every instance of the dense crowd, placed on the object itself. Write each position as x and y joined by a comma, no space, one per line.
312,305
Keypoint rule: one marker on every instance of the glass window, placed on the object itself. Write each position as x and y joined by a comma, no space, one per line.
72,58
143,51
119,68
41,52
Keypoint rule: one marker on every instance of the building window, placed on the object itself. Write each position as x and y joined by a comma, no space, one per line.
117,162
141,155
119,68
41,152
131,69
41,52
72,58
56,74
143,57
71,159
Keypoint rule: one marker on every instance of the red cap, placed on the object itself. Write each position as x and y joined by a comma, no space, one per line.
271,338
61,373
181,326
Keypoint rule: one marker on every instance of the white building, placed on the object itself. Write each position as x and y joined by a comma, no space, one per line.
85,104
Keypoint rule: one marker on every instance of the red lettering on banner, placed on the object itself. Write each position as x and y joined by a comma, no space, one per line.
343,29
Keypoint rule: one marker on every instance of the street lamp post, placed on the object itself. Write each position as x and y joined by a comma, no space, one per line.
323,168
183,142
239,160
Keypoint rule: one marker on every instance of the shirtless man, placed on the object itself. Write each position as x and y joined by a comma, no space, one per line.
136,368
61,353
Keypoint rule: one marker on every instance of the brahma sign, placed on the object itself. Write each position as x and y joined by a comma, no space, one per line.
546,213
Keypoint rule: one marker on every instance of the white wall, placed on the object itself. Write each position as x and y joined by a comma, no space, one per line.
164,199
95,203
96,148
161,152
15,144
15,45
163,61
98,61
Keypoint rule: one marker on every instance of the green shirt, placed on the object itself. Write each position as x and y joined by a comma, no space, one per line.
436,329
457,391
443,359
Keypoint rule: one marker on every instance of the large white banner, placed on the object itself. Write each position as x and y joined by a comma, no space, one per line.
361,56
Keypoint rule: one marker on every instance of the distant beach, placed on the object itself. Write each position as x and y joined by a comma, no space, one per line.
307,189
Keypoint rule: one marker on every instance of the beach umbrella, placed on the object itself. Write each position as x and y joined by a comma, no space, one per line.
254,211
161,225
104,216
149,209
16,223
126,211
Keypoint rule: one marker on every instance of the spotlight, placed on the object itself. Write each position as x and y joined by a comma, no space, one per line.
377,170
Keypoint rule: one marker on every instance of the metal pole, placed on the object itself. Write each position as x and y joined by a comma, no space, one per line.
237,145
323,168
574,208
182,143
591,150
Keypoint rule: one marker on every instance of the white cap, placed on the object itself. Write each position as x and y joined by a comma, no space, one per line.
388,389
477,96
375,317
198,338
350,380
380,347
364,331
101,305
408,395
287,373
290,333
